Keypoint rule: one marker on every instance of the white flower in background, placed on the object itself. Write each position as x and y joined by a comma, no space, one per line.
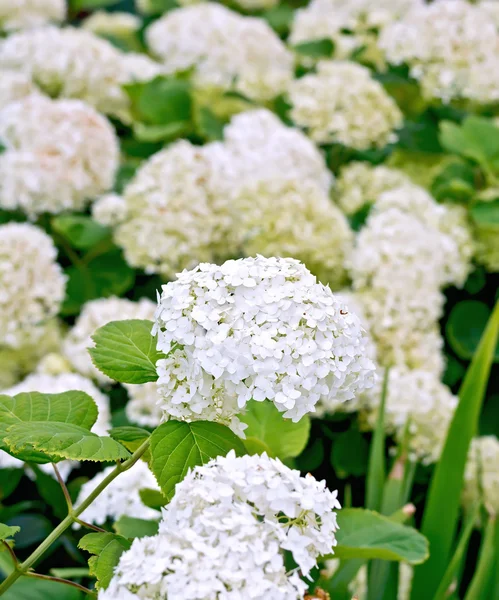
75,63
95,314
117,24
143,406
224,533
342,103
451,48
225,50
65,382
109,210
15,85
58,154
175,213
9,462
23,14
32,284
481,477
256,328
492,8
120,497
418,404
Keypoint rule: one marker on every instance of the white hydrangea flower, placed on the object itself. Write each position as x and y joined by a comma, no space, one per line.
342,103
256,328
32,284
143,406
416,400
102,22
95,314
65,382
120,497
24,14
75,63
451,47
9,462
15,85
225,49
481,477
109,210
223,535
58,154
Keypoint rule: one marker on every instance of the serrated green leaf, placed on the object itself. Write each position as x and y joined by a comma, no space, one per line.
131,527
131,437
177,447
465,327
7,531
369,535
68,407
64,440
81,231
266,424
126,351
107,548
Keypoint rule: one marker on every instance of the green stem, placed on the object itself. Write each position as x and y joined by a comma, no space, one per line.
61,580
23,568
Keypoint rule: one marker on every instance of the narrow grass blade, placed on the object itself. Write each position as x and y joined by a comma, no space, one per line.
377,470
483,580
442,507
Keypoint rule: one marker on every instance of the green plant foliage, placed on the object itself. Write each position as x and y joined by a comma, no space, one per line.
455,183
481,585
266,426
7,531
131,437
350,454
80,231
323,48
152,498
377,468
107,549
126,351
465,327
177,447
9,480
131,527
486,214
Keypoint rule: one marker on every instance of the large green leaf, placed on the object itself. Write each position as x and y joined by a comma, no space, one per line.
369,535
68,407
476,138
131,527
107,548
486,214
64,440
126,351
177,447
131,437
7,531
442,506
465,327
80,230
282,437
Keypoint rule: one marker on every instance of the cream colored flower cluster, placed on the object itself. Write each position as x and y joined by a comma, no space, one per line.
342,103
451,48
58,155
481,477
224,49
15,85
24,14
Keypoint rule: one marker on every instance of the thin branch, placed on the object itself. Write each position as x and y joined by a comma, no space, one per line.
64,488
90,525
12,553
61,580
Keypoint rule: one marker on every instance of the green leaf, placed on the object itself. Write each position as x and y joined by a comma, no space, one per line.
131,437
68,407
311,458
33,529
126,351
131,527
7,531
476,138
79,5
350,454
266,424
9,480
484,578
64,440
442,505
323,48
465,327
51,492
279,18
152,498
107,548
377,468
456,183
80,230
486,214
208,125
369,535
177,447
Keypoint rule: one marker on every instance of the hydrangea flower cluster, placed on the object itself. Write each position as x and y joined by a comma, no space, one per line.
224,532
15,85
28,271
109,210
481,477
24,14
58,154
120,497
451,47
417,404
341,103
95,314
256,328
225,50
143,406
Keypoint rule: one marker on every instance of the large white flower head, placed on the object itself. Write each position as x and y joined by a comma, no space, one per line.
15,85
121,496
58,154
256,328
417,405
65,382
109,210
32,284
225,50
175,214
223,535
342,103
24,14
481,477
451,48
75,63
95,314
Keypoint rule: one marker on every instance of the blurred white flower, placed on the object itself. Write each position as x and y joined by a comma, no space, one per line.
109,210
143,406
481,477
105,23
15,85
23,14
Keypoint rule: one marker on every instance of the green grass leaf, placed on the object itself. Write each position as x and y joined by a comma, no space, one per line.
126,351
107,548
484,578
132,528
7,531
177,447
442,507
465,327
64,440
